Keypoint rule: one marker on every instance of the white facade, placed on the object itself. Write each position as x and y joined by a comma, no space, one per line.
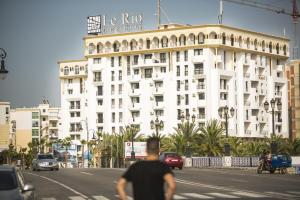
132,78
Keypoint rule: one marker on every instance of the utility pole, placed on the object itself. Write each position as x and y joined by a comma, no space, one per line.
158,13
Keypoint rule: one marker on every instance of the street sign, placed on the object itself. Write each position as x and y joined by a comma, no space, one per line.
139,149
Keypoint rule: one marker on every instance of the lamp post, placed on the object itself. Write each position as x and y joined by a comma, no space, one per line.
158,125
187,118
279,107
3,71
224,113
132,144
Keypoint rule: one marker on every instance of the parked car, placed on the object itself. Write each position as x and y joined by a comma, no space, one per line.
44,162
13,186
172,159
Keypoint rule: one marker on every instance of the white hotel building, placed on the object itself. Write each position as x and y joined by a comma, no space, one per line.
131,78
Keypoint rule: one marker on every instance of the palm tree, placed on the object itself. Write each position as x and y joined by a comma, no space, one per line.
294,147
188,131
235,145
211,135
253,148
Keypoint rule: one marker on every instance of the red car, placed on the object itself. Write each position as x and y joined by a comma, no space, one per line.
172,159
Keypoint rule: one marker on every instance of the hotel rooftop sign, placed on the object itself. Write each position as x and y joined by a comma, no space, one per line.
102,24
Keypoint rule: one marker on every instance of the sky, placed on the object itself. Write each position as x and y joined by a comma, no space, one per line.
36,34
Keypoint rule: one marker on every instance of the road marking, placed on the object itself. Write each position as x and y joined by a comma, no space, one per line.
248,194
223,195
100,198
198,196
294,192
59,183
239,180
76,198
87,173
178,197
51,198
282,194
128,197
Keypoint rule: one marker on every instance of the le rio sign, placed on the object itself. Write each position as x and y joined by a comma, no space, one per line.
102,24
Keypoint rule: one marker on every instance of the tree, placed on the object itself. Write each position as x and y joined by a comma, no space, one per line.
211,135
235,145
294,147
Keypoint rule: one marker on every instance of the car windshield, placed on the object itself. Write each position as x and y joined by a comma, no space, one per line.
171,154
7,180
40,157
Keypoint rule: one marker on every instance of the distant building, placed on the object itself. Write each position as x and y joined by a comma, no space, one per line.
292,74
4,125
132,78
34,124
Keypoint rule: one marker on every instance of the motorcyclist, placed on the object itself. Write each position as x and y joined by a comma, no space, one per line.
263,157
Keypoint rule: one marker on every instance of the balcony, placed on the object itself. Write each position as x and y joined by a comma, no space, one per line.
198,59
247,103
135,107
158,91
247,132
264,133
158,105
98,93
158,76
134,78
201,116
99,121
262,77
134,92
246,75
278,94
224,88
74,107
152,63
200,86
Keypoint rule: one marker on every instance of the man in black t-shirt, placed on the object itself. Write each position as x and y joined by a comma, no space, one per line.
148,177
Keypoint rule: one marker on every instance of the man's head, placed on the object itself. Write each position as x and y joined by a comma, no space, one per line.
153,146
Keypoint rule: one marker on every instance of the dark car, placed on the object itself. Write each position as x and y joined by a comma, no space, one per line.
172,159
44,161
12,185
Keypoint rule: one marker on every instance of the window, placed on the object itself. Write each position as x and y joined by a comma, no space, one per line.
100,118
70,91
177,70
99,90
120,61
186,99
97,76
198,52
163,57
185,55
186,70
201,96
113,103
35,124
120,103
128,61
112,89
97,60
44,119
200,38
178,100
148,73
178,85
120,75
120,88
135,85
178,114
148,42
120,117
198,69
136,71
112,61
177,56
100,102
7,110
35,132
35,115
163,69
112,76
76,69
70,81
128,71
66,70
135,59
164,42
186,84
159,112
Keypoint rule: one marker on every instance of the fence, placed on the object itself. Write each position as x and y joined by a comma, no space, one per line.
199,162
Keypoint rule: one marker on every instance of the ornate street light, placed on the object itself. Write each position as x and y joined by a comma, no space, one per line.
274,144
3,71
158,125
132,127
223,113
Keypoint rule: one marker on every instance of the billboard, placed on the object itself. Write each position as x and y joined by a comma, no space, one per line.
139,149
59,152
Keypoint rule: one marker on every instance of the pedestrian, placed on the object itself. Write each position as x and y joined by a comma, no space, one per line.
148,177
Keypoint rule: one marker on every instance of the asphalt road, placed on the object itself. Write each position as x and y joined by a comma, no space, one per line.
99,184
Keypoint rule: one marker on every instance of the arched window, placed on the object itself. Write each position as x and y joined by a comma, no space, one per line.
270,47
223,38
192,38
156,42
182,40
133,45
240,41
173,41
232,40
263,45
284,50
248,43
277,48
212,35
91,48
255,44
116,46
66,70
201,38
164,42
99,47
141,44
76,69
124,45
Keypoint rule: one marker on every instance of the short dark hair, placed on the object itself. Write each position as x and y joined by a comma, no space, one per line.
153,145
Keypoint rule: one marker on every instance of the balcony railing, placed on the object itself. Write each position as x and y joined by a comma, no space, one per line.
201,86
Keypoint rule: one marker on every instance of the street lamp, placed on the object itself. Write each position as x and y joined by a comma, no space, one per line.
132,127
3,71
187,118
158,125
223,113
279,107
87,136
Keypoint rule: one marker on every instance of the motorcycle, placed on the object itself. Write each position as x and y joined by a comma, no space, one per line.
264,165
276,162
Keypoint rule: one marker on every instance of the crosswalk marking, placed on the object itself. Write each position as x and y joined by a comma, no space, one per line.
281,194
128,197
76,198
178,197
195,195
248,194
100,198
222,195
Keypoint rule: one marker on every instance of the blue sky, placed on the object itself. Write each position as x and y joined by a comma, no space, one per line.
38,33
